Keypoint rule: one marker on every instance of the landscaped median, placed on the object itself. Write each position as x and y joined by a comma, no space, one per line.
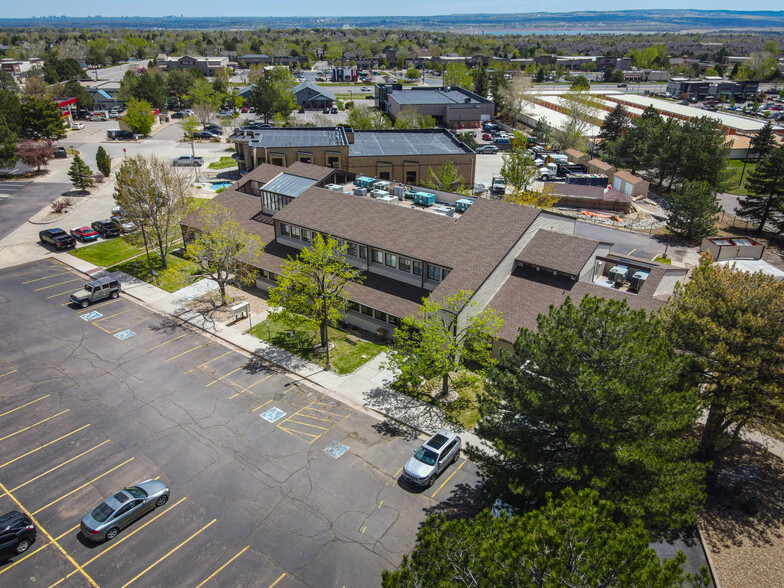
349,352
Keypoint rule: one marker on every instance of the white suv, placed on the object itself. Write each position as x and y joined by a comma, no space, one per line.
432,458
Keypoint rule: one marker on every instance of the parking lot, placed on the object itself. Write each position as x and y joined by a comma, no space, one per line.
272,482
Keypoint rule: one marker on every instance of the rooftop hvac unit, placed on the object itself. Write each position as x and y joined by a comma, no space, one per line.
334,187
638,279
399,191
360,191
379,193
388,198
382,185
618,274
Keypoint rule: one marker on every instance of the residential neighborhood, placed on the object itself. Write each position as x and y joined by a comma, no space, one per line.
337,305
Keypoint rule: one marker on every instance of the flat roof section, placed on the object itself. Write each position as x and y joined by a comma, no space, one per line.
409,142
302,137
434,97
288,185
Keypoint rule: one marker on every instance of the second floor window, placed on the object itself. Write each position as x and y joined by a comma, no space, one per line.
433,273
378,256
417,268
390,260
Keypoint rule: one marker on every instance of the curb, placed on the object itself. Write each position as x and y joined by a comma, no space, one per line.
708,558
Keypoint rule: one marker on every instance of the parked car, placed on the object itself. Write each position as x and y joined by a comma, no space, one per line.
334,110
432,458
57,238
77,126
122,508
487,137
622,85
17,534
96,291
60,153
214,129
123,225
105,228
204,135
365,89
325,111
487,149
84,234
188,160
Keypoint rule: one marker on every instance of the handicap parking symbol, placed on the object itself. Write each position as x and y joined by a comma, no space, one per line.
122,335
273,414
336,449
88,316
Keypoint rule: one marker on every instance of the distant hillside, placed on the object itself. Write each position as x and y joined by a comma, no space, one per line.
572,22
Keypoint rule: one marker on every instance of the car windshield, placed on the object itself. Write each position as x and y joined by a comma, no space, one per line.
102,512
426,456
136,492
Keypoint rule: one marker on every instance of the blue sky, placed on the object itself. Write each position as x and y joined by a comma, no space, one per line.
12,9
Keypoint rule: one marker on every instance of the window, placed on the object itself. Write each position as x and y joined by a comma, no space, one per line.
351,248
367,310
384,176
295,232
417,268
306,235
390,260
284,229
378,256
411,177
353,306
276,161
382,316
404,264
393,320
433,273
444,273
363,252
333,161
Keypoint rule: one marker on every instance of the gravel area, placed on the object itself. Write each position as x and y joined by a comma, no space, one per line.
205,304
746,549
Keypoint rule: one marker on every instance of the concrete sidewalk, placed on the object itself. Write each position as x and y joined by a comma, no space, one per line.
366,388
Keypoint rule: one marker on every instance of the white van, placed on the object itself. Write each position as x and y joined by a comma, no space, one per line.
98,115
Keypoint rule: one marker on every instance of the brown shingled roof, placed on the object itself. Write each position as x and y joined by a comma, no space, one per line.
558,251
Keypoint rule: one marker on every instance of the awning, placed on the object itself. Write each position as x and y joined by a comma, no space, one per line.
105,95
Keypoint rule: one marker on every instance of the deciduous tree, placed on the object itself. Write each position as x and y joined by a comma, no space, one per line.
581,110
139,116
595,398
693,211
35,153
190,125
731,324
313,285
446,178
518,169
457,74
543,198
80,173
222,249
436,344
571,541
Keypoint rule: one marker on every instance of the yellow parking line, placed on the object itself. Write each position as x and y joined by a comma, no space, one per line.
19,387
433,495
148,568
51,539
60,294
261,406
44,546
8,373
189,350
42,446
58,284
28,404
251,386
205,363
224,376
59,466
295,433
103,318
34,425
44,278
83,485
397,473
213,574
116,543
309,425
167,342
310,416
278,580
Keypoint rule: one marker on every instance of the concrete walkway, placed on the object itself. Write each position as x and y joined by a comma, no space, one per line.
366,388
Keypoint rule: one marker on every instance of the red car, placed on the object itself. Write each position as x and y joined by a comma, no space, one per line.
84,234
487,137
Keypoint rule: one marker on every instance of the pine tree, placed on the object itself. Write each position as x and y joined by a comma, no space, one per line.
615,124
763,142
693,210
80,173
103,162
766,190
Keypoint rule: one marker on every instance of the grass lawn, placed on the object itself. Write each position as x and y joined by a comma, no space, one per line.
107,252
223,163
194,203
166,280
666,260
346,355
736,166
464,410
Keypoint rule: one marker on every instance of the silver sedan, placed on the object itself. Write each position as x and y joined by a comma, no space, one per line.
122,508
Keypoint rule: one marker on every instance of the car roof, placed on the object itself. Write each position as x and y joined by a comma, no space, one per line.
55,231
440,439
102,281
9,518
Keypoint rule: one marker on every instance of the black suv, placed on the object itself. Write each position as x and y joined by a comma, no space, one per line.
17,534
118,134
105,228
57,238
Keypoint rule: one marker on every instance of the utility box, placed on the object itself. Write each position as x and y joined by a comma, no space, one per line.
378,193
638,279
618,274
462,204
424,198
360,191
334,187
364,182
399,191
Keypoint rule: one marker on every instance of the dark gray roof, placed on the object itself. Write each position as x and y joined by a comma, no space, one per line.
299,137
289,185
315,88
419,97
558,251
409,142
